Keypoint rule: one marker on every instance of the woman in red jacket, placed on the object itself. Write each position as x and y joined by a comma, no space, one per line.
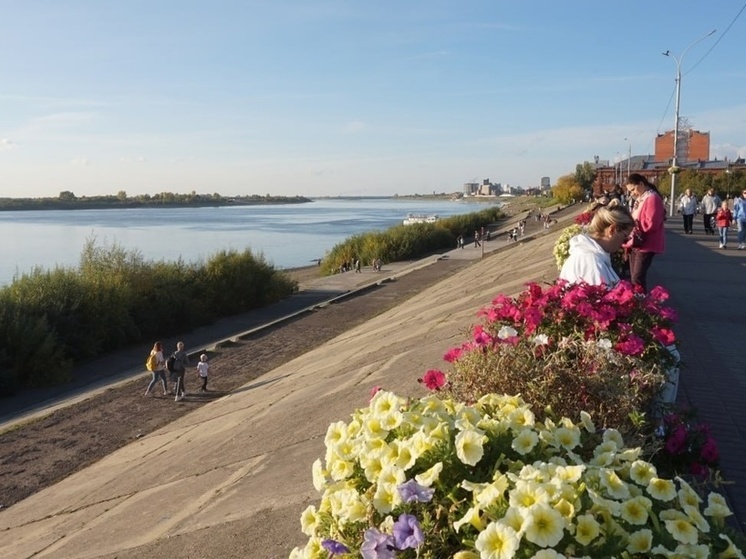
649,215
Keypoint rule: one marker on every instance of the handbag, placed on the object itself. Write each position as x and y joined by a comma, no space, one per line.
637,237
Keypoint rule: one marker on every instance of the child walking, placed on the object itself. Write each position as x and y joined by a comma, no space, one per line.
202,368
723,219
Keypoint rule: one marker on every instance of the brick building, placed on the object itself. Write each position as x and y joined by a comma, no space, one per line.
693,146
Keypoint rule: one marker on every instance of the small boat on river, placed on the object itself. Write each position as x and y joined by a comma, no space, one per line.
420,218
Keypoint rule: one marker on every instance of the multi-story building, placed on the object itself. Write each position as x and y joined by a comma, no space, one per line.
693,145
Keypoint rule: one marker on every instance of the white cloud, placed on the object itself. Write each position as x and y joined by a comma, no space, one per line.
81,161
6,144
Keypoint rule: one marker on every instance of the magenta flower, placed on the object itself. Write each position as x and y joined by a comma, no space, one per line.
659,294
375,390
377,545
434,379
663,335
632,345
407,532
709,451
676,442
334,547
413,492
453,354
481,337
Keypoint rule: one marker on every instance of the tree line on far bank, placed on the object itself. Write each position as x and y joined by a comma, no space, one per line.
67,200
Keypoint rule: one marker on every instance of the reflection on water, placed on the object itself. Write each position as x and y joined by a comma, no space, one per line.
287,235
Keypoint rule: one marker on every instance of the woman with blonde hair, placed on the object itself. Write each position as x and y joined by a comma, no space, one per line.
158,370
591,250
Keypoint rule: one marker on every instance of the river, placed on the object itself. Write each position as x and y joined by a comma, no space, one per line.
288,235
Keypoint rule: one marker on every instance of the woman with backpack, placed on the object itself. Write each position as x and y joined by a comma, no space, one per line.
156,364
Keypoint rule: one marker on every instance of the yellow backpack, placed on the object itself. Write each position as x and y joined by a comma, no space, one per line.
151,364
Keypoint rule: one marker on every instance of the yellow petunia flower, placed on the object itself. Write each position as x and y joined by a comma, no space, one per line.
635,511
497,541
640,542
587,529
470,447
717,507
661,489
525,441
682,531
544,525
641,472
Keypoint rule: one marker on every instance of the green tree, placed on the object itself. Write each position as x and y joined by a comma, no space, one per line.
585,175
67,196
122,195
567,189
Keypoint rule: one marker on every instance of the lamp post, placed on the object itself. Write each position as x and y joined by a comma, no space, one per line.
674,167
629,156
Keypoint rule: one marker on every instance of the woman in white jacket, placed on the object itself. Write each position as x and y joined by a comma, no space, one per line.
590,252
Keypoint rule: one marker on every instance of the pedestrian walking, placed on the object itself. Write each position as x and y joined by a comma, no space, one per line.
180,366
476,239
739,215
687,208
156,364
723,219
202,371
710,205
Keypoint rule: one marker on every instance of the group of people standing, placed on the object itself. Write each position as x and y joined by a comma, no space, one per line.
614,226
176,365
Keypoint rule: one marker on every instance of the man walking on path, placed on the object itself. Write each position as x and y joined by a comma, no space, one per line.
710,205
687,208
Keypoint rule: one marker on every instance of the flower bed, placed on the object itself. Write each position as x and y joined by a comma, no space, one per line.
572,348
436,478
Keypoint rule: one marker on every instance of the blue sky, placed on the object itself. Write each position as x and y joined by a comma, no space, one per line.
351,97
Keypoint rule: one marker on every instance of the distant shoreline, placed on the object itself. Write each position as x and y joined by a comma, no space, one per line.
113,203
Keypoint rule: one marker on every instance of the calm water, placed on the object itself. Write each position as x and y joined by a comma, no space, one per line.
289,236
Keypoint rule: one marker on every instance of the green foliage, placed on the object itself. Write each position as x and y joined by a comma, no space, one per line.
115,298
724,184
585,175
30,353
405,242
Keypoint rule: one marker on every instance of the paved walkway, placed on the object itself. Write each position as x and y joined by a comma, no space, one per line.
707,286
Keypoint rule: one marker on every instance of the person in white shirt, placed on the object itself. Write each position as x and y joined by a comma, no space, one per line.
591,250
687,208
710,205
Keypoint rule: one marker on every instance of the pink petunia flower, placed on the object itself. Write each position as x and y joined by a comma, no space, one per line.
434,379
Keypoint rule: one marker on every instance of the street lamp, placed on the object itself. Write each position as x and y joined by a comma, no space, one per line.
629,156
674,167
